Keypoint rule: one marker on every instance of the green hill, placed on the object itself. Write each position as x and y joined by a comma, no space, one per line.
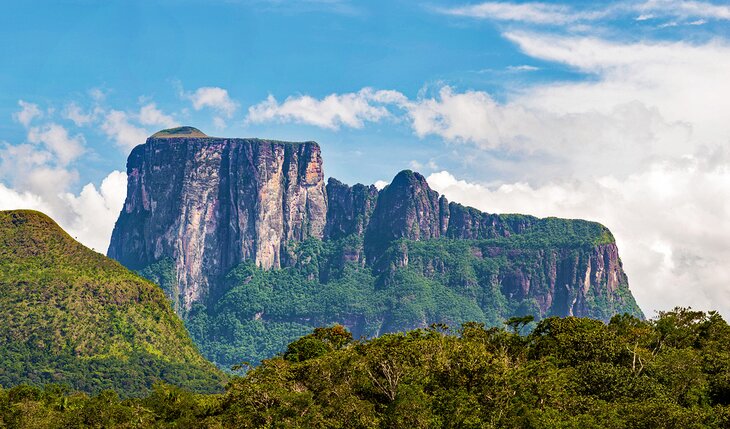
73,316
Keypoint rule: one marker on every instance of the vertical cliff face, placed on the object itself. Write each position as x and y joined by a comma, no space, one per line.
198,206
211,220
348,209
209,203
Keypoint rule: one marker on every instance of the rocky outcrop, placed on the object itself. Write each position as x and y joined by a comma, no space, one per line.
209,203
348,209
407,208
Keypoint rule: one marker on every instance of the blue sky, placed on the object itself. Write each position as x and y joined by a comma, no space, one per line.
615,112
61,50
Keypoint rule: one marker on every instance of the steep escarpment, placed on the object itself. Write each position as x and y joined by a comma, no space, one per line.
206,204
73,316
348,209
255,250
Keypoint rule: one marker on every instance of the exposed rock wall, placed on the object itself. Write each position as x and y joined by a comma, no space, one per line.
209,203
563,281
206,204
348,208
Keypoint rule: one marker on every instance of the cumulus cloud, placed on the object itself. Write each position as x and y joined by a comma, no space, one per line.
75,114
89,216
12,199
117,125
27,112
214,98
57,139
671,229
683,82
645,101
335,110
219,123
149,114
380,184
94,211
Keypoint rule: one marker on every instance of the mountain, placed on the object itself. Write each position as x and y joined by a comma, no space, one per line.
210,203
73,316
254,249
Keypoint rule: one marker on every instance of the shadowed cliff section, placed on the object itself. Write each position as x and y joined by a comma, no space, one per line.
73,316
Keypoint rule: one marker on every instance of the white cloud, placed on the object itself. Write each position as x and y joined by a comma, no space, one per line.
685,9
645,101
97,94
149,114
522,68
671,229
117,126
335,110
684,82
32,171
415,165
15,159
213,97
561,14
536,12
219,123
418,166
89,216
12,199
380,184
74,113
57,139
28,112
96,211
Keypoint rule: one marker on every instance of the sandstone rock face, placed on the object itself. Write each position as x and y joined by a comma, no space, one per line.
209,203
561,281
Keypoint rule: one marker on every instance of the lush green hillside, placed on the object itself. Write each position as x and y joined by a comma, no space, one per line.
672,372
448,281
73,316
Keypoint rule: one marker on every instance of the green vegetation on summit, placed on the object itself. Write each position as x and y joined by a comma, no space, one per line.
179,132
75,317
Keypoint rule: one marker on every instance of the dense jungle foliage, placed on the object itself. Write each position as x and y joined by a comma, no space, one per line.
73,316
258,312
670,372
